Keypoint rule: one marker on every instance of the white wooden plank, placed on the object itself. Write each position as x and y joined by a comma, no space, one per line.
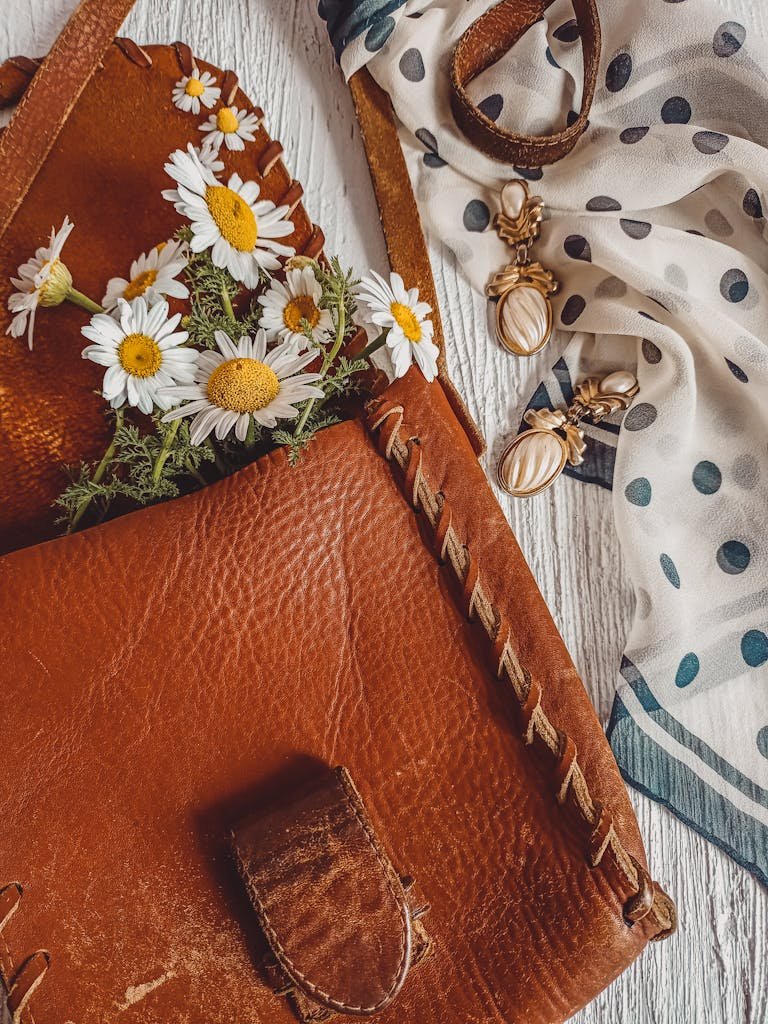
714,971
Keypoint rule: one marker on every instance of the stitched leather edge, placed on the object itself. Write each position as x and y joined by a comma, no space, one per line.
357,809
384,420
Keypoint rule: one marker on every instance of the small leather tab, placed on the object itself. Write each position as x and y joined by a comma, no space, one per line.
328,899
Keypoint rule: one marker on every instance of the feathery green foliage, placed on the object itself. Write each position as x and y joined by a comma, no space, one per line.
149,461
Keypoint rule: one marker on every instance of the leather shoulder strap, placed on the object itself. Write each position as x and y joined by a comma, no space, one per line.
406,247
488,39
51,96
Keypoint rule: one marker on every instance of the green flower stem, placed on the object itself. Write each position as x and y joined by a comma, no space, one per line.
165,451
101,469
328,359
250,437
78,299
226,302
196,475
216,456
374,346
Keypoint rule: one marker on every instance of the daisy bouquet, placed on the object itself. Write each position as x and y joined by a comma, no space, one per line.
220,344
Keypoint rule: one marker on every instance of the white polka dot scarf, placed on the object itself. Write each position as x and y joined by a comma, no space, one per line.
657,234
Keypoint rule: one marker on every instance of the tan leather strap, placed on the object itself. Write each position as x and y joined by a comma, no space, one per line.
488,39
400,220
51,96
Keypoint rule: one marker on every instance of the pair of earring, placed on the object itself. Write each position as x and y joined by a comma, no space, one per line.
524,324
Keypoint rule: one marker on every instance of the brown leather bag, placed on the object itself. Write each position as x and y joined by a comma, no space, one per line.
178,683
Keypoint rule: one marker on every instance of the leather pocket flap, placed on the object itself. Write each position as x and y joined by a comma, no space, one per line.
330,903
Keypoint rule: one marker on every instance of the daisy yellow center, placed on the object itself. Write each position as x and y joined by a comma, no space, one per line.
139,284
301,307
243,385
140,355
194,87
56,285
233,217
406,320
226,120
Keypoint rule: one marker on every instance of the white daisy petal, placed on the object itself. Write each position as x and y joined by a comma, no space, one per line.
44,278
391,305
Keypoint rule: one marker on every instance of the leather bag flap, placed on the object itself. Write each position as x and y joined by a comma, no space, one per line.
329,901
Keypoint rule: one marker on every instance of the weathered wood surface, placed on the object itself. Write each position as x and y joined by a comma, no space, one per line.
716,970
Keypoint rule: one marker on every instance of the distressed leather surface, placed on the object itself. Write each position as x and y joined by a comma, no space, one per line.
313,865
166,673
54,93
106,172
171,671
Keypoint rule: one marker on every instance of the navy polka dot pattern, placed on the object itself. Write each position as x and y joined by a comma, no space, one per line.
529,173
550,59
639,492
737,372
676,276
729,39
676,110
640,416
746,470
603,204
734,285
378,34
568,32
573,309
618,72
752,205
431,158
477,216
635,228
611,288
492,106
577,247
754,648
651,352
762,741
669,569
718,223
710,142
707,478
632,135
687,670
733,557
412,65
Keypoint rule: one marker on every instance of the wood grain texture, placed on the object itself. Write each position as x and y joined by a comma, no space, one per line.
715,970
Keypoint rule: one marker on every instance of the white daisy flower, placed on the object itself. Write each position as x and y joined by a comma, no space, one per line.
43,281
240,229
286,305
230,127
243,382
209,157
397,309
152,275
142,352
192,90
